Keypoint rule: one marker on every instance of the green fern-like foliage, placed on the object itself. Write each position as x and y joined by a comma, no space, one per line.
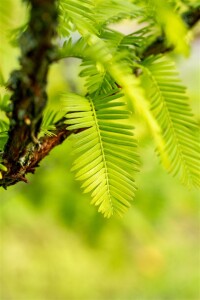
76,15
170,106
48,121
111,63
109,59
107,158
164,15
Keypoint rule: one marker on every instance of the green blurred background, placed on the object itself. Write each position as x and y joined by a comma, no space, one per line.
55,246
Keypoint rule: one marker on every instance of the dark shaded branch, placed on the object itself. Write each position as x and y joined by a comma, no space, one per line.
34,154
22,152
191,17
29,83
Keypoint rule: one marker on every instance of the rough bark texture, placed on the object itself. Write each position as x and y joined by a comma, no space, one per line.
29,83
29,88
24,151
34,154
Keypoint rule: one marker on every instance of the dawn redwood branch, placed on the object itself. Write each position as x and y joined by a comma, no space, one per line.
28,84
34,154
23,152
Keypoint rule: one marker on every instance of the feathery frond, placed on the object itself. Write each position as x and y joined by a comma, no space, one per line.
3,133
104,141
165,15
48,122
76,15
170,107
73,49
106,68
112,11
106,147
97,78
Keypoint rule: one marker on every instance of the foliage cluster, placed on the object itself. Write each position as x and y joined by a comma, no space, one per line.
125,75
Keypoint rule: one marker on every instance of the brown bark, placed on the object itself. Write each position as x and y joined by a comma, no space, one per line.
34,154
28,85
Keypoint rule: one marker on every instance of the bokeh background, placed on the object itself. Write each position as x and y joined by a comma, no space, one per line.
55,246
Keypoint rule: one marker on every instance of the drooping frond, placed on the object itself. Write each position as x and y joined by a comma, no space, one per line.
170,107
164,13
94,65
76,15
106,68
136,39
97,78
90,16
105,145
48,122
73,49
121,70
112,11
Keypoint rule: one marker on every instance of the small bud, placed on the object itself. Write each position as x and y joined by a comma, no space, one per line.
27,121
3,168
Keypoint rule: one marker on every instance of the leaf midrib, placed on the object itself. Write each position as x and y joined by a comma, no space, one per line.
103,154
